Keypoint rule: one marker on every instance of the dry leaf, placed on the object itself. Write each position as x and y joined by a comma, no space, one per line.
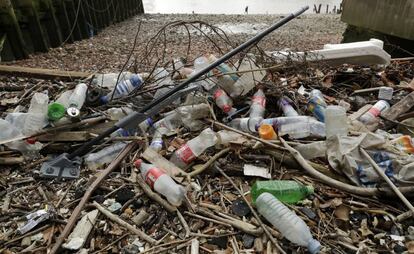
342,212
364,230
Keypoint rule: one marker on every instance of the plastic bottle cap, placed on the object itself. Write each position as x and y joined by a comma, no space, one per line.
314,246
55,111
310,189
73,112
137,163
266,131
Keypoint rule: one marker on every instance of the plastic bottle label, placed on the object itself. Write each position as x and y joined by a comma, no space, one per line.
152,175
260,100
218,93
185,154
374,111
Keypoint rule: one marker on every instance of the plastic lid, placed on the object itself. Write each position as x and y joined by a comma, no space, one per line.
137,163
55,111
266,131
104,99
314,246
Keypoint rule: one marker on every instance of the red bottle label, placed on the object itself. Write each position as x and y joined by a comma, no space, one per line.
152,175
185,154
259,100
374,111
218,93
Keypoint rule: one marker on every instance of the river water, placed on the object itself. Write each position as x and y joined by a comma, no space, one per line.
235,6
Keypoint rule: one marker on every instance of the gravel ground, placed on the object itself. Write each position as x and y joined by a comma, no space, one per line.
109,49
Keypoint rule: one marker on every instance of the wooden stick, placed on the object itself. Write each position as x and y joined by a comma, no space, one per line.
185,224
101,175
387,179
209,162
123,223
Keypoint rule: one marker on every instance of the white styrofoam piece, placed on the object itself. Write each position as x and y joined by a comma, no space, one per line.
358,53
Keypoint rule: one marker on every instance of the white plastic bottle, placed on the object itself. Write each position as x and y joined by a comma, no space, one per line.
248,80
123,88
336,121
370,117
223,101
258,107
225,137
298,128
77,99
286,221
104,156
194,148
36,117
246,124
108,80
161,182
288,110
116,114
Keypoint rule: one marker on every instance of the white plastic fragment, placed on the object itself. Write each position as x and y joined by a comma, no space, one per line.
251,170
79,235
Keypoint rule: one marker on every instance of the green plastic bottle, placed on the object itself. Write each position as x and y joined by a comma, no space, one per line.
289,192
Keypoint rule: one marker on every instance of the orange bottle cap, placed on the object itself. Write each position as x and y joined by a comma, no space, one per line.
266,131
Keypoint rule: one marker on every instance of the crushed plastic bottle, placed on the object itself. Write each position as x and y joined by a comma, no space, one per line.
289,192
336,121
194,148
258,107
123,88
285,105
162,127
224,137
104,156
36,117
223,101
162,183
77,99
371,116
224,81
29,148
57,109
287,222
190,113
317,104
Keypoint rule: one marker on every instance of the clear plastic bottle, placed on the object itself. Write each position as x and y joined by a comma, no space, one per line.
108,80
258,107
336,121
246,124
276,122
190,113
370,117
161,182
123,88
288,110
162,127
309,127
287,222
247,81
77,99
223,101
104,156
194,148
36,117
164,82
224,81
317,104
285,191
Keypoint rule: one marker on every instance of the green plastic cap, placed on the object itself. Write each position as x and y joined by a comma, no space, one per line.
55,111
309,189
